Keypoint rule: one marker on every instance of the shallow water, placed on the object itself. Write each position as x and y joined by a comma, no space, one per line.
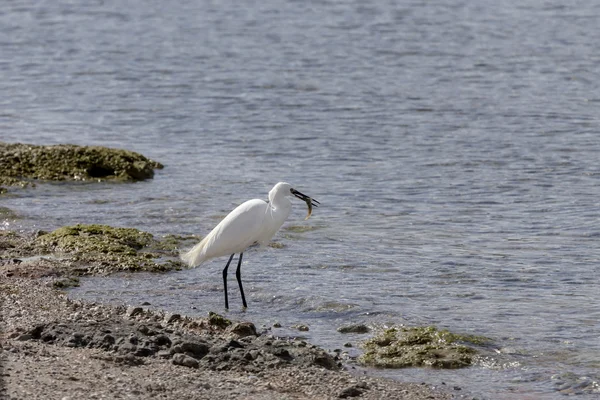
453,148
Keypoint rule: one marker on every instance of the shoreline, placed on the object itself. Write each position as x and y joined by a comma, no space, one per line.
49,350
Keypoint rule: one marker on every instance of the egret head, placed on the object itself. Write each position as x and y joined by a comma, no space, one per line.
285,189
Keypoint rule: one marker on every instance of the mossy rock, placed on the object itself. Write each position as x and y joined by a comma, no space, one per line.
66,283
218,320
174,242
7,213
420,347
102,249
21,163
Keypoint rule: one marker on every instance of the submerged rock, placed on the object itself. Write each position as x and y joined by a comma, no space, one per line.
101,249
80,250
420,347
354,328
21,163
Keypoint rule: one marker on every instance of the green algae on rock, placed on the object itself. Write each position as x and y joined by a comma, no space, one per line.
420,347
66,283
102,249
218,320
22,162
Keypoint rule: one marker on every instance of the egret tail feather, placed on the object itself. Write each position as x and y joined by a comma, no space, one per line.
196,255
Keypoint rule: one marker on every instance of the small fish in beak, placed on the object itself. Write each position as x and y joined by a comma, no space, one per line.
310,202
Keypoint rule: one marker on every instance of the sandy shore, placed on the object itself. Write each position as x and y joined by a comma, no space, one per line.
54,348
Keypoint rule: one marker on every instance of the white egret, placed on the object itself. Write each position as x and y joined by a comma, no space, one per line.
253,222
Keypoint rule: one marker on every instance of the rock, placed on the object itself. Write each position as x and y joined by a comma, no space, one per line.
197,350
355,328
163,354
127,348
419,347
350,391
99,249
186,361
107,341
162,340
284,354
325,360
301,328
144,330
234,344
48,337
170,318
143,352
218,320
243,329
22,162
251,355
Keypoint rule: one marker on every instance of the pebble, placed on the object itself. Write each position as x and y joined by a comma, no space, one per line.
133,311
350,391
170,318
301,328
243,329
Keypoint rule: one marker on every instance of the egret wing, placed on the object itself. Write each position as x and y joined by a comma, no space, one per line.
238,230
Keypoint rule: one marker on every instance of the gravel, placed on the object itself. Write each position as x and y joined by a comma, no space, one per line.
52,347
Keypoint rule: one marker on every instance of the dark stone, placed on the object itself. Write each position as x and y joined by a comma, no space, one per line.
109,339
243,329
143,352
284,354
133,311
162,340
127,348
356,328
186,361
325,360
48,337
172,318
25,336
36,333
350,391
144,330
197,350
235,344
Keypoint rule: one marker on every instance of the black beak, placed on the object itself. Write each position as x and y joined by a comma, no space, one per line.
304,197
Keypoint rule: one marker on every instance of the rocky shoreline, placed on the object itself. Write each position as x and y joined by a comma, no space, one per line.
52,347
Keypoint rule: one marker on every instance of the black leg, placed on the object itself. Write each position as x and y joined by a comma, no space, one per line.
225,281
238,275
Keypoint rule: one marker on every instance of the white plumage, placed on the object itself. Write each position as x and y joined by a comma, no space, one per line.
255,221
